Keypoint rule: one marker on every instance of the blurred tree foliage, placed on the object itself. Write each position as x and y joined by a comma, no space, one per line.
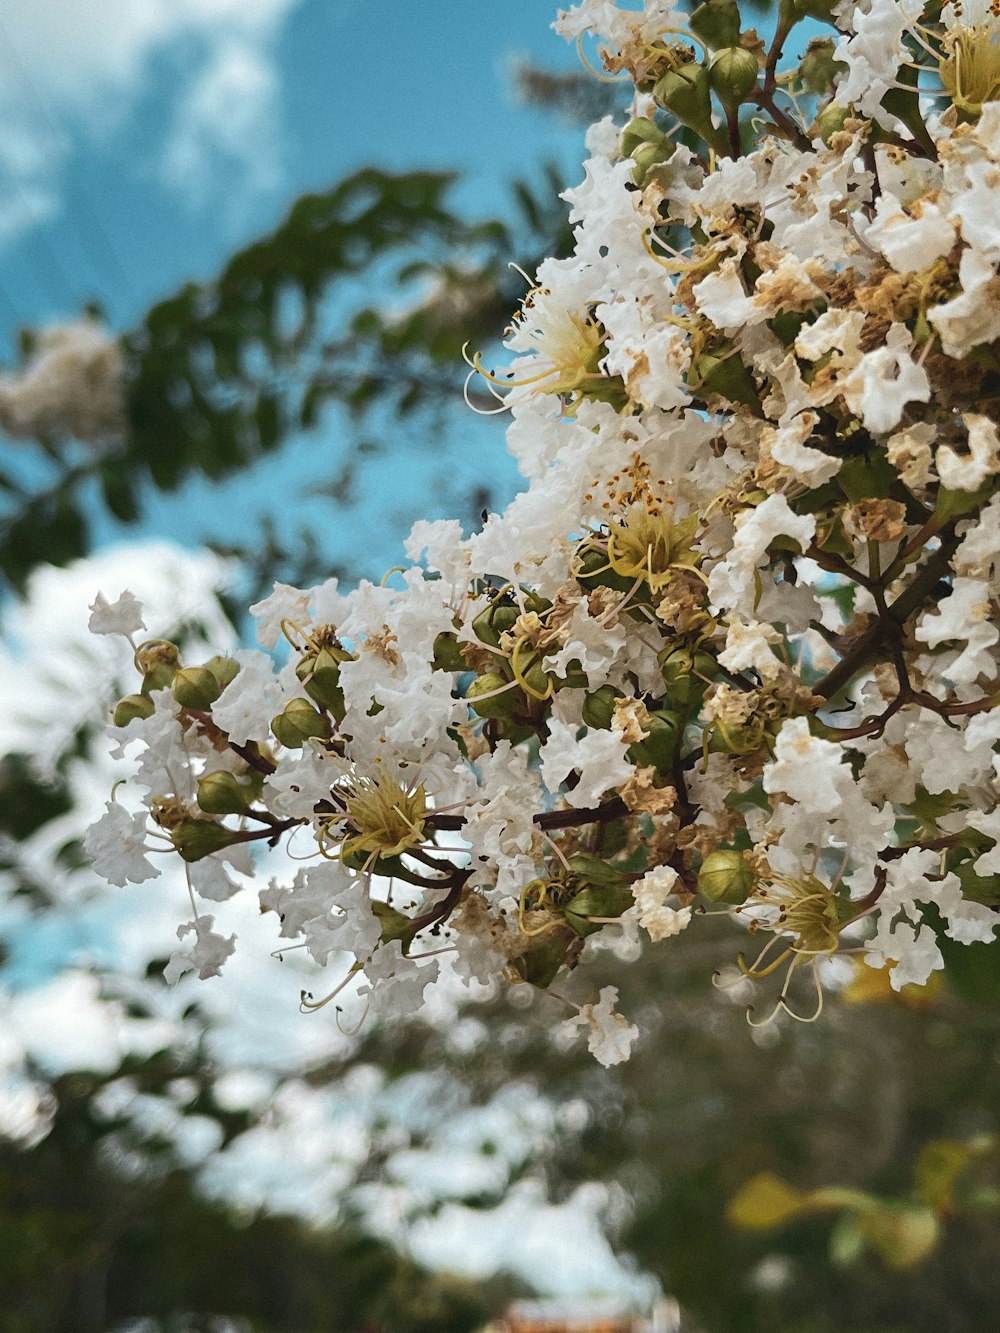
91,1236
222,373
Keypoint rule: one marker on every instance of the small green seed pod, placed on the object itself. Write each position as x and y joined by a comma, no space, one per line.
224,669
726,877
131,707
222,793
299,721
497,705
197,838
195,687
733,75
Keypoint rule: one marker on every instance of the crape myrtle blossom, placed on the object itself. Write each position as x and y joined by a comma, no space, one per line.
734,648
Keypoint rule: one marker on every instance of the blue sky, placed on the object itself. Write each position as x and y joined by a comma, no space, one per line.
144,140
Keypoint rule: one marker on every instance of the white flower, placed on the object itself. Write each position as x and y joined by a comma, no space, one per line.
121,617
609,1035
809,770
116,845
885,381
967,472
598,757
396,983
206,956
651,893
248,703
964,616
874,52
973,317
910,240
285,603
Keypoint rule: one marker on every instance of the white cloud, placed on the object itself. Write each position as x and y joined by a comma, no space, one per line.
83,65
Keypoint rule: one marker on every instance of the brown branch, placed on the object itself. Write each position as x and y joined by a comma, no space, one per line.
548,819
868,644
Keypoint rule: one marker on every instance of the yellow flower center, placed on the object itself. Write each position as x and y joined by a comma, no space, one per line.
387,818
647,544
971,72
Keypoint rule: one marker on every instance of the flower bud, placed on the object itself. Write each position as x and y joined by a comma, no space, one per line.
818,69
717,22
222,793
224,669
499,705
594,869
593,571
599,707
686,674
299,721
158,661
448,653
647,156
319,673
638,131
197,838
195,687
131,707
494,620
726,877
538,681
541,961
659,747
600,900
829,122
687,94
733,74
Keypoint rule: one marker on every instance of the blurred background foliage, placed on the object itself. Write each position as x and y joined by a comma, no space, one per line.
890,1099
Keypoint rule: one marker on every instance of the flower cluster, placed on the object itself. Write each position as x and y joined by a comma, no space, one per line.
735,646
70,385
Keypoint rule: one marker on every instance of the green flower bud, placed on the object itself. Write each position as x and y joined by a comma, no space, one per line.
717,22
687,94
132,706
726,877
819,69
448,653
599,707
534,676
499,705
593,571
195,687
733,75
659,748
686,674
224,669
540,962
647,156
158,661
319,673
829,122
587,866
222,793
493,621
298,723
597,900
640,131
197,838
